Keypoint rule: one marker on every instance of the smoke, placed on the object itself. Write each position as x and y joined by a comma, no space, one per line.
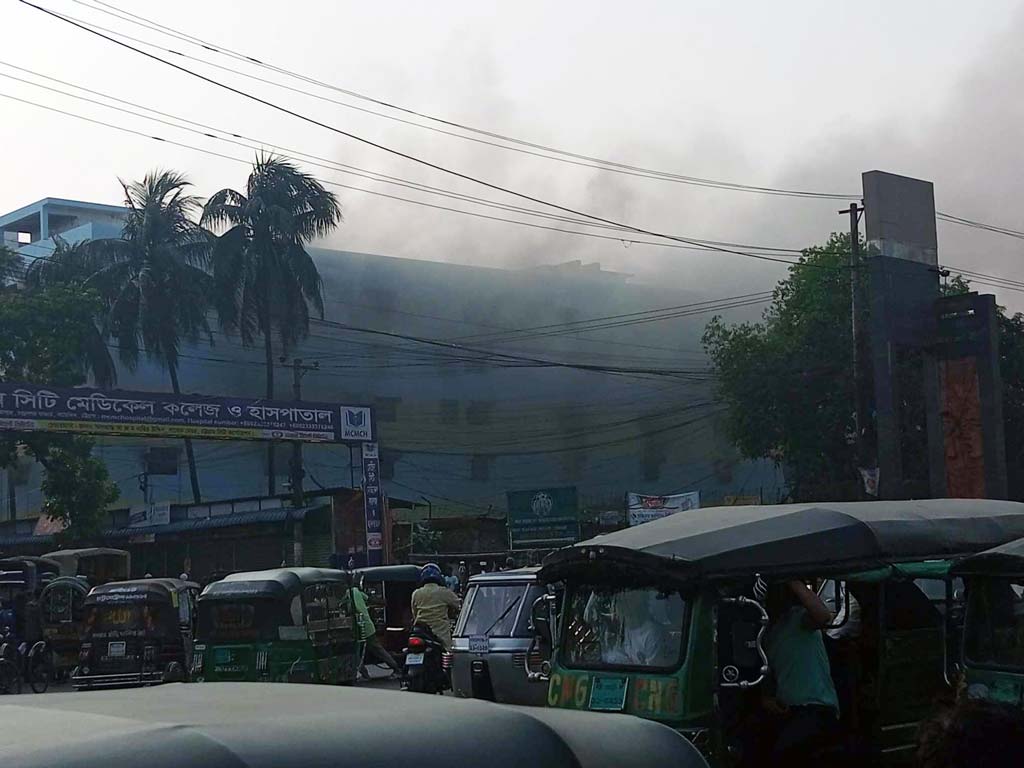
969,147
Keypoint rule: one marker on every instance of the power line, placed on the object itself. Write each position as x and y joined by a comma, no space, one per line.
379,146
561,155
602,164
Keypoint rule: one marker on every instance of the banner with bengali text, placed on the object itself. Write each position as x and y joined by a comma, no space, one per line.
33,408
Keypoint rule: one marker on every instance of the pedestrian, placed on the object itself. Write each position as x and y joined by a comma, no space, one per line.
368,633
351,563
452,580
510,563
463,576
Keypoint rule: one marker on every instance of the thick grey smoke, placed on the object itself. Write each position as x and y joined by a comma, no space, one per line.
970,148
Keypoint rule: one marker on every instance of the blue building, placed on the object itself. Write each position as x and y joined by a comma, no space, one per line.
526,400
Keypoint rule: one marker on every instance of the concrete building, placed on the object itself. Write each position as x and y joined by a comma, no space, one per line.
459,426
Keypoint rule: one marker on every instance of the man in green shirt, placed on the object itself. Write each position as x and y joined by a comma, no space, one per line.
368,633
805,706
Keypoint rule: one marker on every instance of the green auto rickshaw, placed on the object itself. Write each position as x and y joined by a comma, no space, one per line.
287,625
993,638
689,579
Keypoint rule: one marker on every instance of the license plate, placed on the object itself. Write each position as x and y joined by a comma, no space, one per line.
413,659
115,649
479,644
608,693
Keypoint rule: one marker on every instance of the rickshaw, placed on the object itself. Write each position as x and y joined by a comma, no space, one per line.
62,600
97,565
690,577
234,725
24,654
388,590
136,633
993,639
287,625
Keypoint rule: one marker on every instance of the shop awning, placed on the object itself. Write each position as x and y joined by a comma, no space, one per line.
278,515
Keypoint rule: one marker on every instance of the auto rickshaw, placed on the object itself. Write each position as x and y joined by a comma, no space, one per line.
136,633
388,590
234,725
689,579
286,625
993,639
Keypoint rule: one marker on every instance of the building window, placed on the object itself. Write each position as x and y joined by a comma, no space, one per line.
388,459
478,412
24,238
449,411
386,408
162,461
480,469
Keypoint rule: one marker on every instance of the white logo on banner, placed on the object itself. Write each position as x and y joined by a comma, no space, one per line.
355,423
542,504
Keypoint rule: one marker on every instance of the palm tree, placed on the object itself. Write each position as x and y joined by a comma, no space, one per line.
264,280
72,265
153,279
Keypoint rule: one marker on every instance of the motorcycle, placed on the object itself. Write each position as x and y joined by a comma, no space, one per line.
427,663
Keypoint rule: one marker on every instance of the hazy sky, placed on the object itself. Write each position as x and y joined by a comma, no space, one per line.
801,94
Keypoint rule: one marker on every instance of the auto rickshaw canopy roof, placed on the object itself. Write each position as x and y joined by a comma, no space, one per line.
68,559
276,582
139,590
278,725
793,539
1005,560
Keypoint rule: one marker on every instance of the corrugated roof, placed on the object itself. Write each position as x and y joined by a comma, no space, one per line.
279,515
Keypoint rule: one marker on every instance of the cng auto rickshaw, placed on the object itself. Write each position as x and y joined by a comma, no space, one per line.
254,725
993,639
97,565
492,638
688,580
136,633
292,625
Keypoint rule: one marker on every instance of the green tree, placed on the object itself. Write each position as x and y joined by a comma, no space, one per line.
48,339
71,266
153,280
787,381
265,280
10,266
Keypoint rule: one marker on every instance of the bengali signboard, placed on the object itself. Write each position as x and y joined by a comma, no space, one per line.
145,515
547,517
373,505
643,509
31,408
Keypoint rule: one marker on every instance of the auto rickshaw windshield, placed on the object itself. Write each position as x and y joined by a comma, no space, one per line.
611,627
994,632
242,621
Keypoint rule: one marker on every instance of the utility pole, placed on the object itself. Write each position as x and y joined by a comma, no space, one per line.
297,472
862,415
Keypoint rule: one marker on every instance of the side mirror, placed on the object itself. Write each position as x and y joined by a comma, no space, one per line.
542,624
742,661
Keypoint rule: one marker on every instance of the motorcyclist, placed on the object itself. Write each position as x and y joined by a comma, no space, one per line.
434,604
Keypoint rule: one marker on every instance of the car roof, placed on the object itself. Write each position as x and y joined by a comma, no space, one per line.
822,537
278,725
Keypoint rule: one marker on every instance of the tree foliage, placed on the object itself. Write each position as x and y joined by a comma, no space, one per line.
787,380
788,384
53,344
